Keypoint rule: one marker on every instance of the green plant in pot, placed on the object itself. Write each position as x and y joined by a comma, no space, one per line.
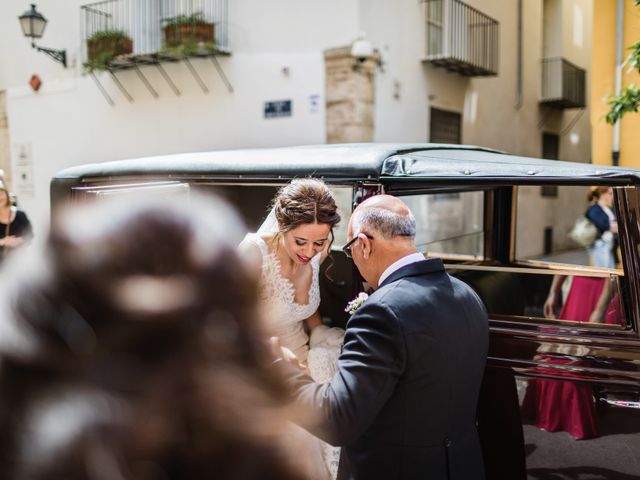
187,33
104,46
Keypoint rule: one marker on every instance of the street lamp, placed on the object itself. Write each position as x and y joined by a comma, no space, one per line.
33,23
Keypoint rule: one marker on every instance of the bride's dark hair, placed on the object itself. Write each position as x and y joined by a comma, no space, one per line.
305,201
135,335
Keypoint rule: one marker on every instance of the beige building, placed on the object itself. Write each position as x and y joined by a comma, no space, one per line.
508,75
616,21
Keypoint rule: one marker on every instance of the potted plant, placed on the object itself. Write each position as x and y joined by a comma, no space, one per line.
105,45
188,29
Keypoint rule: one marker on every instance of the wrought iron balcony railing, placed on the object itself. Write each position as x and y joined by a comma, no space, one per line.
128,34
563,84
115,31
461,38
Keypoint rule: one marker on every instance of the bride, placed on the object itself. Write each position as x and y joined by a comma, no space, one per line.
290,245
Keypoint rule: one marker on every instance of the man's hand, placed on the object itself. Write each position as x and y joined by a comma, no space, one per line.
284,354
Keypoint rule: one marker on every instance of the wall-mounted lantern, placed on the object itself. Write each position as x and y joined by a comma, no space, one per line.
33,23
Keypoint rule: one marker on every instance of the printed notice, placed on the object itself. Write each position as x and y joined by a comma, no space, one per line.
22,175
277,108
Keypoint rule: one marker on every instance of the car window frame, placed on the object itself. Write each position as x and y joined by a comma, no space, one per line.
533,325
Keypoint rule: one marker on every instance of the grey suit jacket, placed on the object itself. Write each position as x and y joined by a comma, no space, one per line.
403,402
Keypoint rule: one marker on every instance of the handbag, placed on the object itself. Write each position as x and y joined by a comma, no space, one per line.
584,232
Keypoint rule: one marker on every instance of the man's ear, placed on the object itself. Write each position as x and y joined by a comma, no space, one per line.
366,246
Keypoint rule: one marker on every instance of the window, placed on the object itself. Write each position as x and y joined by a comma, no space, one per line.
551,151
535,215
344,201
434,14
552,277
445,127
449,225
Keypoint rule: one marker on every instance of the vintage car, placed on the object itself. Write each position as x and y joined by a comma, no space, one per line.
556,373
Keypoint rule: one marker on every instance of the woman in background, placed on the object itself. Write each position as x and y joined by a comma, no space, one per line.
15,227
565,405
603,250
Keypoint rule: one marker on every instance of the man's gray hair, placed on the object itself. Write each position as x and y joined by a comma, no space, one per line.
387,223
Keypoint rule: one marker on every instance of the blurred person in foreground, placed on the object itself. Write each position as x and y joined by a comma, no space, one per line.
15,227
128,350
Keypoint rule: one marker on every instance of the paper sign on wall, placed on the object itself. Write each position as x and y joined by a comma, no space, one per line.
314,103
22,174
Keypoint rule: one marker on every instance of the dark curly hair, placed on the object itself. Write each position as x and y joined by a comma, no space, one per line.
132,348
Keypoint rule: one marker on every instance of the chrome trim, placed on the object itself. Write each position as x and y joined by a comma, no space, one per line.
538,271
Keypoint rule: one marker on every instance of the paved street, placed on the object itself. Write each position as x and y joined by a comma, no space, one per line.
610,456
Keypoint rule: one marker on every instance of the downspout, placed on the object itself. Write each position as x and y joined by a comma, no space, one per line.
518,103
615,153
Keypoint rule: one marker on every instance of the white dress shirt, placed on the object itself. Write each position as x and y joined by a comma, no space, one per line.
398,264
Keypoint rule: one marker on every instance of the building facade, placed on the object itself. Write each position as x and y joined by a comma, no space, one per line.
480,72
617,27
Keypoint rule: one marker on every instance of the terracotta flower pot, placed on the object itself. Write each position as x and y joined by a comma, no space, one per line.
176,35
115,46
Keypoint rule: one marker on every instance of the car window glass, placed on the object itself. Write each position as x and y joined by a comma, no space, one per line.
551,227
449,225
564,296
556,276
344,200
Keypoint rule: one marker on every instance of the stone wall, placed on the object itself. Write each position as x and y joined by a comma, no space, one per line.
350,94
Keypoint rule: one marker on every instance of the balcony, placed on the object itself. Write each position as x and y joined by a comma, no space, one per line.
129,34
563,84
461,38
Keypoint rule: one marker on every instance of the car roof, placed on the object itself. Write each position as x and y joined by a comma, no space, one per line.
348,161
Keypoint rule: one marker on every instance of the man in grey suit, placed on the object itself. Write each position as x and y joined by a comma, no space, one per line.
403,402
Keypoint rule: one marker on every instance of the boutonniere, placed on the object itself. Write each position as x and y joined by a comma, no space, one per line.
356,303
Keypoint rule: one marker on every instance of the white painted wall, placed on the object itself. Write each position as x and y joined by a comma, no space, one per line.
68,121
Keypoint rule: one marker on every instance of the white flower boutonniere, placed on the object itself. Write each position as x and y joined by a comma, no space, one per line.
356,303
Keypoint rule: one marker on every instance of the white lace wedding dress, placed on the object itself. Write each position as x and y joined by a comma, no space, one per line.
284,318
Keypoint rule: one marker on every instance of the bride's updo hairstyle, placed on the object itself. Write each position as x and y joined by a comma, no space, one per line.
131,348
305,201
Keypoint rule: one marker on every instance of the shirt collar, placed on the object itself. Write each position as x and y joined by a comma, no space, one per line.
398,264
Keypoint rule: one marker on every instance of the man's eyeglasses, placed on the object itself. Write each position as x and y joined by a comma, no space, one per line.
347,248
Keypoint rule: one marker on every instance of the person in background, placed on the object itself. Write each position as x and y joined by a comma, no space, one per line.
603,250
559,405
15,227
128,350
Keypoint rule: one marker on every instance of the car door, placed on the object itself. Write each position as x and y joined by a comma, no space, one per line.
561,392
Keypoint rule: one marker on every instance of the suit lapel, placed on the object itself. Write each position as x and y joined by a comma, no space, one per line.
430,265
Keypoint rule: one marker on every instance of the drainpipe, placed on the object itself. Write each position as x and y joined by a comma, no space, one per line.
615,153
518,103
